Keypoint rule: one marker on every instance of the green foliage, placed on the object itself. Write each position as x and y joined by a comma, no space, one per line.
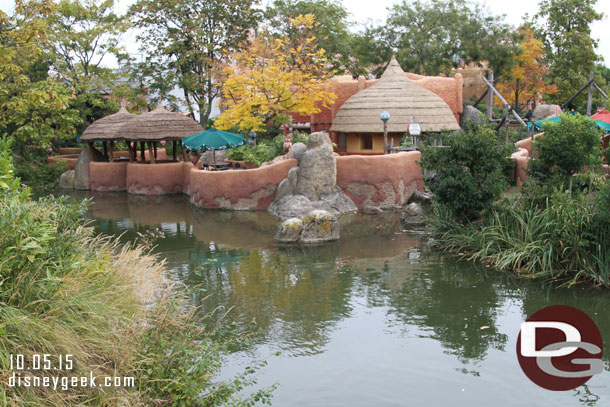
66,291
185,42
34,106
428,36
331,31
566,147
469,172
259,153
560,240
32,168
564,26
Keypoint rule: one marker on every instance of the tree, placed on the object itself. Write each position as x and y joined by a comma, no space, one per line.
565,29
83,33
185,43
566,148
331,29
34,108
273,76
429,37
469,172
527,78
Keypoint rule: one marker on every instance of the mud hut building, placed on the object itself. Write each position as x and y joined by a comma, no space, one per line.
107,130
358,128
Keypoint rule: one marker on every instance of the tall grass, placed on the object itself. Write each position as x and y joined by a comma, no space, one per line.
64,290
564,239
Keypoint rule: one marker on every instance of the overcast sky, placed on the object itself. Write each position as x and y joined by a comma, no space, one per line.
376,10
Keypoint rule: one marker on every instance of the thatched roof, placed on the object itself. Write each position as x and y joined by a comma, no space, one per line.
395,93
160,124
107,128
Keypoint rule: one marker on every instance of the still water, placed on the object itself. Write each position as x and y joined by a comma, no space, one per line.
376,319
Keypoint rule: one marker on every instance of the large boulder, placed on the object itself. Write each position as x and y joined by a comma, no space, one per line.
473,114
413,215
81,171
544,111
289,231
312,184
66,180
319,226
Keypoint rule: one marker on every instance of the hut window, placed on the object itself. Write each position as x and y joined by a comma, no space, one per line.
367,141
342,141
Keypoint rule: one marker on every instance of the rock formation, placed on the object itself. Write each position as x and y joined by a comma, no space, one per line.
316,227
81,171
312,184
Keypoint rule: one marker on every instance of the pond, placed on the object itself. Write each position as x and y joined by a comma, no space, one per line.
376,319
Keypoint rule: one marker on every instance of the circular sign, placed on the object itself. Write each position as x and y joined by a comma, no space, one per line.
414,129
560,348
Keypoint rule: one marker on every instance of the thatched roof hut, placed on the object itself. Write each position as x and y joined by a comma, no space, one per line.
160,124
109,127
395,93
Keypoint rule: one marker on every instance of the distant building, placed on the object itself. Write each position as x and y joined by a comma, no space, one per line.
353,120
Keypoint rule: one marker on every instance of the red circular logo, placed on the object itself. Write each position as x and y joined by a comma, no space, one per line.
560,348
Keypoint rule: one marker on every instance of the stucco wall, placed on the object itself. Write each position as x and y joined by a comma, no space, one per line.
104,177
155,179
238,189
385,181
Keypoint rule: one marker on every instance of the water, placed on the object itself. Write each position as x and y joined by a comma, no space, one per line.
375,319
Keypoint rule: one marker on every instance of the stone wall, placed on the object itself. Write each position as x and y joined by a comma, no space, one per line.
385,181
238,189
155,179
105,177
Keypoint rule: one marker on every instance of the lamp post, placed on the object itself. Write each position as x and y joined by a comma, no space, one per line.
385,116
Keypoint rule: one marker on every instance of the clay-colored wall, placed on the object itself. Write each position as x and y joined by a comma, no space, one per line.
354,144
238,189
105,177
385,181
68,159
155,179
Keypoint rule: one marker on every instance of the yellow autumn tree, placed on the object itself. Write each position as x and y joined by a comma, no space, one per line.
273,76
528,74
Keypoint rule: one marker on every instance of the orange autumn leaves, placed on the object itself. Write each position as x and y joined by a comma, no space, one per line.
275,75
528,75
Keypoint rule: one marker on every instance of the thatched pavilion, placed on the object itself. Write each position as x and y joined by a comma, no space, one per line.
157,125
107,130
357,121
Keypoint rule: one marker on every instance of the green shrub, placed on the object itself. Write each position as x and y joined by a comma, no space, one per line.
566,147
66,291
469,171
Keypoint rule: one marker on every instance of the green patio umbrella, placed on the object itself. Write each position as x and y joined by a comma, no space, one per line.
600,123
212,139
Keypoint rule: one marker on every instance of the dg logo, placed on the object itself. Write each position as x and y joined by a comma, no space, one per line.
560,348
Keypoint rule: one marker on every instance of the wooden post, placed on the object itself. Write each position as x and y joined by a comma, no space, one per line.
91,156
174,152
184,156
150,152
111,154
142,155
490,94
590,96
105,150
155,149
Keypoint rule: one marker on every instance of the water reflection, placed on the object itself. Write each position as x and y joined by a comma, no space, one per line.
378,280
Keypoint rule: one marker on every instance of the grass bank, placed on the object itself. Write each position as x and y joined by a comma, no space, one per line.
564,238
65,291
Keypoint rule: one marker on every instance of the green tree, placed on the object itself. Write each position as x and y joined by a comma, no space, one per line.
566,147
331,30
565,28
34,108
83,33
469,172
186,42
429,37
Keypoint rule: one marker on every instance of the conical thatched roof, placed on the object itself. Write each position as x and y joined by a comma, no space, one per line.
160,124
395,93
107,128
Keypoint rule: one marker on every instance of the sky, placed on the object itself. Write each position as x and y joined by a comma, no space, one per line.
364,10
